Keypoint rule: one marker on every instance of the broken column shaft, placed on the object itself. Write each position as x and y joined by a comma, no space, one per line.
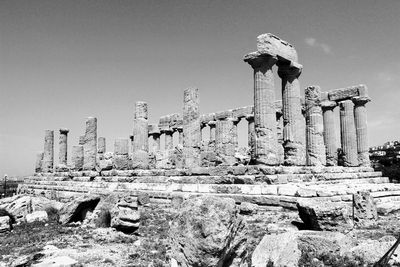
48,152
140,136
191,128
77,158
63,146
90,145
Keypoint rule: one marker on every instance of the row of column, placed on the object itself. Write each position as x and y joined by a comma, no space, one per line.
322,146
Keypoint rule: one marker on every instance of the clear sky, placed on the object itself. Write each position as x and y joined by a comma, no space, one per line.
62,61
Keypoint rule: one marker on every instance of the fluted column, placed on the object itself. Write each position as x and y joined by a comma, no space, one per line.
279,129
348,134
140,133
39,160
314,128
212,125
293,122
77,158
330,128
235,132
90,145
191,128
154,138
48,154
251,135
264,110
63,146
180,135
225,141
169,141
360,117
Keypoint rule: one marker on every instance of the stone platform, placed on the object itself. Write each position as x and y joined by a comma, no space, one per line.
264,186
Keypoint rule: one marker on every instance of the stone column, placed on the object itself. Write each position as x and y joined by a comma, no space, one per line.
48,154
293,123
235,132
154,138
251,135
348,134
131,143
169,140
314,128
140,127
225,141
101,148
360,118
77,158
121,155
279,128
180,137
330,127
90,145
63,146
39,160
264,111
191,128
140,157
212,125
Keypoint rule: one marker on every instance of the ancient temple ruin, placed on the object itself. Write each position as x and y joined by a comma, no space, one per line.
295,148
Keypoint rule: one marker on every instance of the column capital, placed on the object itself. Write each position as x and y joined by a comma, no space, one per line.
289,69
166,131
212,124
327,104
64,130
361,100
258,59
250,117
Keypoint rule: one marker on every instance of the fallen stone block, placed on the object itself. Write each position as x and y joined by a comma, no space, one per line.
5,224
124,216
37,216
325,215
76,210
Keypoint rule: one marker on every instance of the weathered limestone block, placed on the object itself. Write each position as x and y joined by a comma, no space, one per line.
225,141
63,146
77,158
39,160
5,224
242,112
348,134
325,215
37,216
293,121
77,209
48,154
314,128
360,118
344,93
365,210
222,115
124,216
273,45
264,111
286,249
191,128
193,233
140,157
90,145
329,130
